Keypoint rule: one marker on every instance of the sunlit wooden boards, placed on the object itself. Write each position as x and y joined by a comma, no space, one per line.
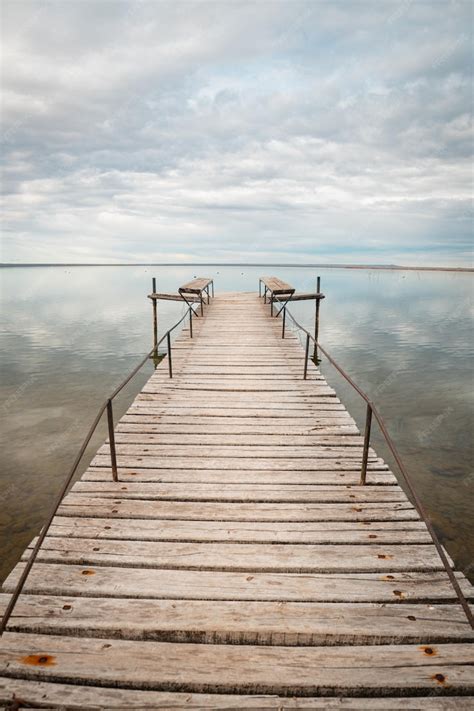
237,563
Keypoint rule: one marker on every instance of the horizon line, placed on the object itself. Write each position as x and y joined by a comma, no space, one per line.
236,264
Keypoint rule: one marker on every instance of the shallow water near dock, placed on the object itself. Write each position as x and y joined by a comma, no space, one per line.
71,334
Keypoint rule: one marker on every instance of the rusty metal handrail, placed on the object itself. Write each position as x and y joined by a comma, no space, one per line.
372,410
106,406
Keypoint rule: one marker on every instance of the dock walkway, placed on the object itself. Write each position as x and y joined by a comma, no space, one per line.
237,563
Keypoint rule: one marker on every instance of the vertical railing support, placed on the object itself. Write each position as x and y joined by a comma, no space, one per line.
155,320
316,319
259,288
306,354
283,323
113,453
271,303
365,452
170,364
212,288
190,322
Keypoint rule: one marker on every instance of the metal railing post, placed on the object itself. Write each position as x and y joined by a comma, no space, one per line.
306,354
113,453
155,319
170,364
259,288
271,303
365,452
212,288
316,319
190,322
283,323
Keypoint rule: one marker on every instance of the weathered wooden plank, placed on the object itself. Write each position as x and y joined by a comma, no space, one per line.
212,337
313,385
204,362
292,391
315,450
285,452
313,412
306,405
382,532
263,439
240,668
264,403
233,348
241,492
216,379
98,581
227,360
226,462
232,383
306,402
284,378
239,622
173,297
300,296
75,696
130,425
234,423
226,355
243,331
241,476
260,557
228,336
222,406
77,505
207,372
216,376
235,556
311,407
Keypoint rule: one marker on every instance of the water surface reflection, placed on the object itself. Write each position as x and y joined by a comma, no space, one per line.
71,334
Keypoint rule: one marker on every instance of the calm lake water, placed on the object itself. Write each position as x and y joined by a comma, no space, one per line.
71,334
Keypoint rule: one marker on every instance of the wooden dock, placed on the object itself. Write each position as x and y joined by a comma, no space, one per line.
237,563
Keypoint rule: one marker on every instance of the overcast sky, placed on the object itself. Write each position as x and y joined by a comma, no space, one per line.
237,131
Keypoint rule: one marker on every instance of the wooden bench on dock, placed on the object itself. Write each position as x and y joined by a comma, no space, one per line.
199,286
274,287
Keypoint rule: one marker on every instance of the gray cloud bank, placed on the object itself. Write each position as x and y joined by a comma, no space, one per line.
234,131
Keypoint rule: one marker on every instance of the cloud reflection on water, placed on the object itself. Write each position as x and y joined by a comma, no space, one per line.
72,334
